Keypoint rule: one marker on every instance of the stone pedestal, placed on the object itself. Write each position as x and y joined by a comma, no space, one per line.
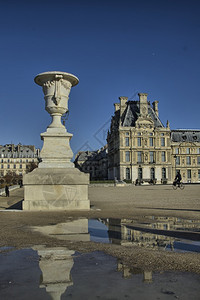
56,189
56,184
56,151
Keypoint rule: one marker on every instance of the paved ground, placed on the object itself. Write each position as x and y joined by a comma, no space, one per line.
156,199
15,196
106,202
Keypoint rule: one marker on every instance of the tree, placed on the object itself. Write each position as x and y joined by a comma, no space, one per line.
12,178
32,166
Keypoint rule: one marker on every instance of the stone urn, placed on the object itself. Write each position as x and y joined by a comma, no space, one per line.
56,184
56,87
56,151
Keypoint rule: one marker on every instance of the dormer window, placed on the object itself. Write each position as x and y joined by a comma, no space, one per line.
184,137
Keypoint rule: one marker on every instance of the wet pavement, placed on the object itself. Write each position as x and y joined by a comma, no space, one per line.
59,273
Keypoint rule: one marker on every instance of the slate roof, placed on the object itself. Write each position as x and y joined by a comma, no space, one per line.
11,150
185,135
132,112
91,155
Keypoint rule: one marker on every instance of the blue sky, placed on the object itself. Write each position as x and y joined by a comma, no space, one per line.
115,48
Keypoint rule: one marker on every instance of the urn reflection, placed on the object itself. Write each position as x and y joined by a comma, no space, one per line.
56,87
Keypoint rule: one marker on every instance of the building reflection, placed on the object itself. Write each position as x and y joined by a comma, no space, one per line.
150,232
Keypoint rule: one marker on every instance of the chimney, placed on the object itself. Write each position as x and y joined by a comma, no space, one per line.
123,101
155,107
143,104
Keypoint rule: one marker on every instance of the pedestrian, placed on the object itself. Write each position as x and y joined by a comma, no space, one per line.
7,191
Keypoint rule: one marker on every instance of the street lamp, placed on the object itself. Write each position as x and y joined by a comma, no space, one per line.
175,157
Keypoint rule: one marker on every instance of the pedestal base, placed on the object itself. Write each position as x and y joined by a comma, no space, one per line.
56,189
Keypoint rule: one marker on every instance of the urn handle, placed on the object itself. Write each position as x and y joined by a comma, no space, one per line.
57,95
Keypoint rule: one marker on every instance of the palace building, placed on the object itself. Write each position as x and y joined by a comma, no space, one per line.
17,158
141,148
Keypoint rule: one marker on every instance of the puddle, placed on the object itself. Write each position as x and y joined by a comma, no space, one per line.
59,273
161,233
98,231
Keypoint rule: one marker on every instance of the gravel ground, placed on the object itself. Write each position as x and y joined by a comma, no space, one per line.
109,202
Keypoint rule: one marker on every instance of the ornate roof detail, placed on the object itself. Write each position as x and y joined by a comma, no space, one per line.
132,113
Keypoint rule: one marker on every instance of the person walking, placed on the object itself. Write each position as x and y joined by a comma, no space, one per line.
7,191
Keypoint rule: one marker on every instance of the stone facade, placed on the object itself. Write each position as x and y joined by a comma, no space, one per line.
93,162
185,146
141,147
17,158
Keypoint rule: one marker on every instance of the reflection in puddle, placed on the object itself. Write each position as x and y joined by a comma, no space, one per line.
98,231
56,265
59,273
157,233
6,248
160,235
76,230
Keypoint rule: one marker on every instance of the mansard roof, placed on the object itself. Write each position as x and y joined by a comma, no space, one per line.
18,151
185,135
132,113
92,155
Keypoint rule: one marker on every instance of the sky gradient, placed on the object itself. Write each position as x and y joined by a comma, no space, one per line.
115,48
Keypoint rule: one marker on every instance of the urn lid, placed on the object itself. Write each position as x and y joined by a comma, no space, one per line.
41,78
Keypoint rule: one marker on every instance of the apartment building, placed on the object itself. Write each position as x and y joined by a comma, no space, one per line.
17,158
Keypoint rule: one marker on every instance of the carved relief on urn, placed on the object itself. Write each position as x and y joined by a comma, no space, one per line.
56,87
